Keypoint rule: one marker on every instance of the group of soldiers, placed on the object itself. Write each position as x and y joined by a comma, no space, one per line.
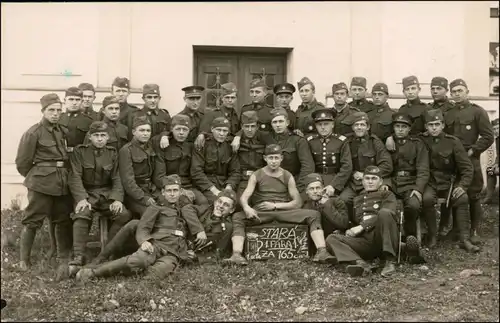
173,186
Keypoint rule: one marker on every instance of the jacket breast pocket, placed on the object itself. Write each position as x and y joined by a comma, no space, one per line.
88,173
468,129
211,161
172,159
445,159
107,172
367,158
48,146
140,164
161,125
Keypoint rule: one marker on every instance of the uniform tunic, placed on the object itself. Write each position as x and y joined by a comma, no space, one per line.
416,110
333,212
229,114
251,158
117,134
304,120
381,121
195,118
160,120
342,124
263,114
362,105
77,124
411,165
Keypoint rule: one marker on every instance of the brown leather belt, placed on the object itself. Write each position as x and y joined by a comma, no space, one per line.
59,164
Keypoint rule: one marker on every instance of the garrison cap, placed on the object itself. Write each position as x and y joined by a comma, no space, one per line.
258,83
381,87
49,99
173,179
228,88
121,82
193,91
358,81
181,120
311,178
150,89
220,122
249,117
434,115
457,82
276,112
284,88
339,87
272,149
494,122
372,170
304,81
74,91
229,194
86,87
401,117
439,81
358,116
98,126
324,115
140,121
410,80
110,99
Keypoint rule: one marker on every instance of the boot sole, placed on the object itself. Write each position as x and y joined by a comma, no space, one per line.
356,271
329,261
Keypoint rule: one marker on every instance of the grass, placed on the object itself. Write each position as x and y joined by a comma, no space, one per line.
263,291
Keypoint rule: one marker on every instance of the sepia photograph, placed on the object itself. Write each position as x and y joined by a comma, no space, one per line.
250,161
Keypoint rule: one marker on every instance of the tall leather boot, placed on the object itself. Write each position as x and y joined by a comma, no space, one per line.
475,220
106,269
431,222
463,226
63,233
80,237
27,237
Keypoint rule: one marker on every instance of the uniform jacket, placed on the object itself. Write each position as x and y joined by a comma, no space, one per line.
411,156
342,124
175,159
368,205
334,210
381,121
362,105
94,115
441,104
211,114
125,110
304,121
117,134
77,124
160,120
205,213
195,118
94,173
250,155
263,114
43,142
416,110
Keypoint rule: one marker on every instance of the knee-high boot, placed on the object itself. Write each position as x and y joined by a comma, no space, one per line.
27,238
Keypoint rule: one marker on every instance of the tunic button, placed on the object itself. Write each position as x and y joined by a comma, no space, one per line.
324,157
324,148
324,144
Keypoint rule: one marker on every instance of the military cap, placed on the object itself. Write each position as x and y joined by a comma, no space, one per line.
258,83
372,170
439,81
86,87
121,82
494,122
98,126
434,115
193,91
324,115
311,178
304,81
457,82
220,122
110,99
49,99
339,87
181,120
410,80
272,149
229,194
401,117
150,89
228,88
249,117
276,112
284,88
358,116
74,91
173,179
381,87
140,121
358,81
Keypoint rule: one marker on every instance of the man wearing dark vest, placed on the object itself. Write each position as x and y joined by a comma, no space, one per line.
342,109
274,197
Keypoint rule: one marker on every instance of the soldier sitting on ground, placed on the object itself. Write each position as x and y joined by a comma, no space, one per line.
375,233
274,197
161,234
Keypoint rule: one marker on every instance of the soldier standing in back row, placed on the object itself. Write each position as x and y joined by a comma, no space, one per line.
381,115
43,161
88,98
304,122
258,94
284,96
117,131
193,98
120,89
342,109
358,93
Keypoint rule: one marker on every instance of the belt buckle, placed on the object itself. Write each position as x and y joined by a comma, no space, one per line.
178,233
249,172
60,164
325,170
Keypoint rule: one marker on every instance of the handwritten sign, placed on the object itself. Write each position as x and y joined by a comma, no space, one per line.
277,240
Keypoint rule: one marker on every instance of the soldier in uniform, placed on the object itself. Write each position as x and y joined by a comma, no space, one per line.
284,96
448,159
226,110
192,98
342,109
375,233
137,160
331,153
120,89
334,216
470,123
159,118
251,151
216,167
439,89
304,123
117,131
176,159
366,150
358,93
492,172
96,187
411,171
43,161
274,197
161,234
76,122
88,98
381,115
258,93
